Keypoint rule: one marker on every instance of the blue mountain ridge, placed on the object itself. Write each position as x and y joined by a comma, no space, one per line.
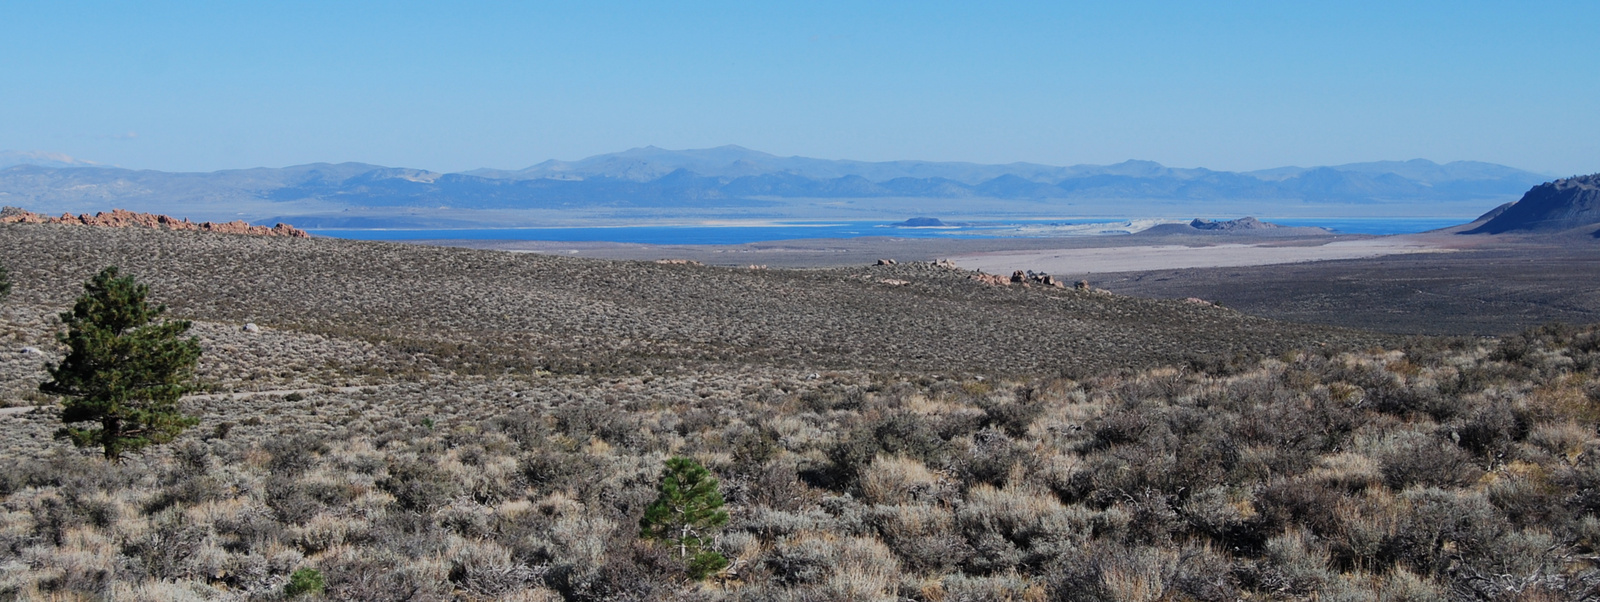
732,176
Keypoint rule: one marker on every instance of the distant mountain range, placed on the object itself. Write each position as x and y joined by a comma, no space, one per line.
651,163
730,180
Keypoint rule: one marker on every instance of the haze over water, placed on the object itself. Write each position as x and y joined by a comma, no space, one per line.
741,234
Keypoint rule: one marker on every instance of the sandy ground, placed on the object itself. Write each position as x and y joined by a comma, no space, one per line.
1168,257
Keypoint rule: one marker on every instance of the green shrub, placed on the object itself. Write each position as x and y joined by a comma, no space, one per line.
304,581
706,563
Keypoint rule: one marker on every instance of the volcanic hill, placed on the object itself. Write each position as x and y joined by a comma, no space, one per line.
1550,207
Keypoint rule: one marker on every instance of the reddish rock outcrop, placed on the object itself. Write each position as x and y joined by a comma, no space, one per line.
991,279
119,218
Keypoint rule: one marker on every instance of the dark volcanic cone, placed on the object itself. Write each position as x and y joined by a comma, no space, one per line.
1550,207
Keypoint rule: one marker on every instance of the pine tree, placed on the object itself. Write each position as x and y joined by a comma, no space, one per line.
686,513
5,282
122,370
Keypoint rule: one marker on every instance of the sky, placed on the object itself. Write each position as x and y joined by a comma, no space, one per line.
201,86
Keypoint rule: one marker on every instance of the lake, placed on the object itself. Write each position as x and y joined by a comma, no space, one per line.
734,234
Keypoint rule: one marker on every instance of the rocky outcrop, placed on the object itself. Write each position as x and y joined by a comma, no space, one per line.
119,218
1243,223
991,279
1549,207
1026,278
1242,227
1031,277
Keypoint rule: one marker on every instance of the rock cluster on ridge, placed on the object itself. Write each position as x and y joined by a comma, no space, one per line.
120,218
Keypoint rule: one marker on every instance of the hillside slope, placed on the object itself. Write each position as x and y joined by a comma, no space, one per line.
485,311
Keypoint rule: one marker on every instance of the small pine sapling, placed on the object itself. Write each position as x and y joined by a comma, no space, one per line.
687,513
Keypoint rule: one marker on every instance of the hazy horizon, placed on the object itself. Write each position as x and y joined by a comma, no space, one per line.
45,157
201,87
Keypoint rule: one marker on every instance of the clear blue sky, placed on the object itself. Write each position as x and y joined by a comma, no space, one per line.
458,85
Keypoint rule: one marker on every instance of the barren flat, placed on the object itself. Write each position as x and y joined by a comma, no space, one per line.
840,252
1429,283
1488,286
1173,257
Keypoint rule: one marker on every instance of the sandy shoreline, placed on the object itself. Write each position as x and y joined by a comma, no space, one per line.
1171,257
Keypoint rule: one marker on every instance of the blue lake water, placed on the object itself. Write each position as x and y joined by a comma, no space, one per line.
655,235
740,234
